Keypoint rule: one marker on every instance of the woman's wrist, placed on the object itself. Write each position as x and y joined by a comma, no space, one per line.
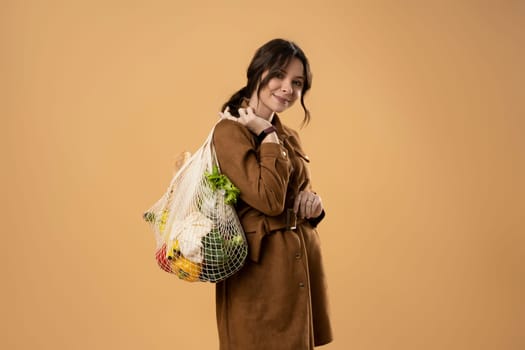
261,136
260,126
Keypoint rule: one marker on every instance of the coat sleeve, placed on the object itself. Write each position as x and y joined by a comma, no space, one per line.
261,174
298,148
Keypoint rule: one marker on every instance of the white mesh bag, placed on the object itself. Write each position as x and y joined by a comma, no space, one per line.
199,236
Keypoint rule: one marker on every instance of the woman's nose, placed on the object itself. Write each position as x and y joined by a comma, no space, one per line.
286,87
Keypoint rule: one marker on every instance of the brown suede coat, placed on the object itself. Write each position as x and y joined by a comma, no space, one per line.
278,300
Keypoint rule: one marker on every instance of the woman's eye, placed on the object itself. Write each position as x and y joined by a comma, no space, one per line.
280,75
298,83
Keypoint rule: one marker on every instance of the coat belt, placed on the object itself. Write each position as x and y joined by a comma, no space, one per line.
288,220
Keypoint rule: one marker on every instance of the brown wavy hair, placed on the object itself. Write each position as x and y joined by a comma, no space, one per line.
272,57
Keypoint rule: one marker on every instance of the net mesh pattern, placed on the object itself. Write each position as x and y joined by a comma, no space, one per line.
198,233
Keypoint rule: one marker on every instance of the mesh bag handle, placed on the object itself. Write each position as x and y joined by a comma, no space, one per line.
198,233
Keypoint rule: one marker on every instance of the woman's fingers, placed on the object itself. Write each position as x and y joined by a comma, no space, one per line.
297,203
250,112
303,206
308,205
317,207
242,112
226,114
248,118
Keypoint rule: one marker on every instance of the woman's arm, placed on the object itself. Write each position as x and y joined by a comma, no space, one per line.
261,175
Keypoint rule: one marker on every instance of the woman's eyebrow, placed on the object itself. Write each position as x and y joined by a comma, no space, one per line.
296,77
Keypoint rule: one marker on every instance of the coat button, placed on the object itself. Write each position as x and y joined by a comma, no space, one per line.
301,284
298,256
284,154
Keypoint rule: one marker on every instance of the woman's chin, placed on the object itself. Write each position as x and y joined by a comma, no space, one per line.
279,109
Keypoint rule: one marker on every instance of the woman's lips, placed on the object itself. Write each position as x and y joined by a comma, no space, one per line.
281,99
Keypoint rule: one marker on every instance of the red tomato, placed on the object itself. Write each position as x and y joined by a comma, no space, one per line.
162,261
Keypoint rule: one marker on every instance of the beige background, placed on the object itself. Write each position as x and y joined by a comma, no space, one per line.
416,143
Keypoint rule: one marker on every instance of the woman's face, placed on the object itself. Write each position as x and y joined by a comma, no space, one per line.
281,91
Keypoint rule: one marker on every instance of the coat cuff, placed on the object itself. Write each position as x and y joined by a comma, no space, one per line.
315,221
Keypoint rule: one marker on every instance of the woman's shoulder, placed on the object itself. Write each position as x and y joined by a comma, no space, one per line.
232,130
228,126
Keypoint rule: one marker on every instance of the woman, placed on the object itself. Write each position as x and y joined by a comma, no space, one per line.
278,299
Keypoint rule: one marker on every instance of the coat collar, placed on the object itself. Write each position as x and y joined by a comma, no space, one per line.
276,122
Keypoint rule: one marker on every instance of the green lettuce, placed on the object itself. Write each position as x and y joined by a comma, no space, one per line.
220,181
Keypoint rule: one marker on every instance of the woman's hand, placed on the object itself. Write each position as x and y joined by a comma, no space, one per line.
308,205
227,115
248,118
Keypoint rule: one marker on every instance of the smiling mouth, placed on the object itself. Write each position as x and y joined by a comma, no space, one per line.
281,99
